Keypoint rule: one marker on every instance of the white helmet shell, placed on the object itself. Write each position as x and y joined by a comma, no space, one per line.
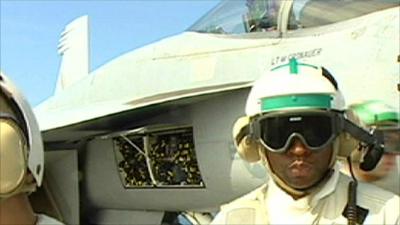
35,144
293,86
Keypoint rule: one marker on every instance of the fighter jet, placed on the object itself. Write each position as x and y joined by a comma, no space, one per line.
146,138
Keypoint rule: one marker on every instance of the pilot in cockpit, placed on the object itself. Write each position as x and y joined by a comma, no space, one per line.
262,15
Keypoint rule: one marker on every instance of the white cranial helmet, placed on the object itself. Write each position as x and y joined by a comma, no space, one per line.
294,86
21,146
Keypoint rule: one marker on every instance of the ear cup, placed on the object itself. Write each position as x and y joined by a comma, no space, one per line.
373,153
246,146
348,143
371,159
240,129
248,149
13,153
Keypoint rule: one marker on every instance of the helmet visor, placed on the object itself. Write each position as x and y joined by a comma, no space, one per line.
316,130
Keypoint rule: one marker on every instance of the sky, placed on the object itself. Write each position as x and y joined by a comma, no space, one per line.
30,32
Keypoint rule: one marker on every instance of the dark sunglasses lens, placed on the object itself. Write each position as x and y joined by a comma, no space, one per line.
274,132
315,129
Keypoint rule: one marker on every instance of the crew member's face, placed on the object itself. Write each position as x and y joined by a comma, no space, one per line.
299,167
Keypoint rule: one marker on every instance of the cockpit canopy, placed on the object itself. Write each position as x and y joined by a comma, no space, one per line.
246,16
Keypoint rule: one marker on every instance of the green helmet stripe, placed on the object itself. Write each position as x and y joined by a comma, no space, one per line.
380,117
373,112
294,66
388,116
293,101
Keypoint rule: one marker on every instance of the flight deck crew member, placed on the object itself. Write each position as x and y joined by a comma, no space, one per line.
296,120
376,114
21,158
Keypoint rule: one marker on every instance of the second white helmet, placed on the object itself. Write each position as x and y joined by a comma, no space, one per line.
21,144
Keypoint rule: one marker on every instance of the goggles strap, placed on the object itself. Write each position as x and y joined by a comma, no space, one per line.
358,132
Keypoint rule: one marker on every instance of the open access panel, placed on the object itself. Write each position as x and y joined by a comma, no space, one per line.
162,156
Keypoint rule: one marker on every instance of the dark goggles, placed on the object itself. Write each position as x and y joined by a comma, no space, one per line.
316,129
